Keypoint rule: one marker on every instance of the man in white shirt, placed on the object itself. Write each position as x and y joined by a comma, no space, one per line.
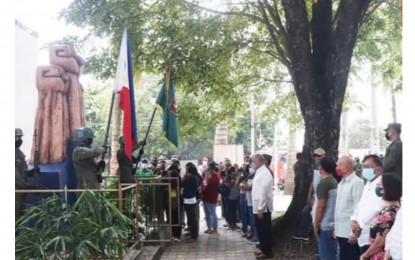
393,244
349,192
262,201
371,202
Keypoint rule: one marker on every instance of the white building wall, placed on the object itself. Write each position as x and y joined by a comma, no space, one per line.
26,59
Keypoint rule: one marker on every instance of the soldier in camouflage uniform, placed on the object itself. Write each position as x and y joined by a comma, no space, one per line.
393,157
84,160
21,173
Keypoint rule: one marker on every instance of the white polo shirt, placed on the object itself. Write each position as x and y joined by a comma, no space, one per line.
349,192
368,207
262,194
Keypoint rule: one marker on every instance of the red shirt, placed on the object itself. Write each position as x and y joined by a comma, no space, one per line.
211,190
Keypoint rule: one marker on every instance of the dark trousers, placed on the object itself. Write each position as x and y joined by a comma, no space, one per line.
264,229
348,251
232,206
306,222
192,219
175,217
223,207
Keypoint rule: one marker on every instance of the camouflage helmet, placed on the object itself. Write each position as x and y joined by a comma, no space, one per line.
121,140
83,133
18,132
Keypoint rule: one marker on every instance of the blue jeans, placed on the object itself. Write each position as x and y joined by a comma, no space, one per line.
327,245
244,212
252,223
210,214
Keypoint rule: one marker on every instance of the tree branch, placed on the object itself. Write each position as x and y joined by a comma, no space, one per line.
277,20
299,48
251,16
281,52
350,16
373,9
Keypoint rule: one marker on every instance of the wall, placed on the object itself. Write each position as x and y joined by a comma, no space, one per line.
26,58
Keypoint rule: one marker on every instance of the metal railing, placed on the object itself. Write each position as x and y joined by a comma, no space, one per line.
148,202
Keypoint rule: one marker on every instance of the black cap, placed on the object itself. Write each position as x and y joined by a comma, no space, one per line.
395,126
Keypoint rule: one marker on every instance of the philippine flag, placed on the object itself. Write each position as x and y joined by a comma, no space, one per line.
124,86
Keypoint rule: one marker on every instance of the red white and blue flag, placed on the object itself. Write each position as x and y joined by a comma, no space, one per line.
124,86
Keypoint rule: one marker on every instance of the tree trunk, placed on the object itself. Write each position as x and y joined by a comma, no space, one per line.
320,54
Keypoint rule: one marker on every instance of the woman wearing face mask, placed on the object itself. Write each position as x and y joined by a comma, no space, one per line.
391,190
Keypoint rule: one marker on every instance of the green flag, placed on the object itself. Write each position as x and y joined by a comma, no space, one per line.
167,103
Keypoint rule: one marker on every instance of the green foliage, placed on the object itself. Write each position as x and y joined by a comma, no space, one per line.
91,228
218,60
380,43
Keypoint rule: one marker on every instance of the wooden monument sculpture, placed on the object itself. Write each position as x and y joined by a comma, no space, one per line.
60,109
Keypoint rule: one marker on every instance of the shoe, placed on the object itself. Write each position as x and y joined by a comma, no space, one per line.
258,252
245,235
250,236
175,239
262,256
187,234
186,229
212,232
301,238
191,240
253,242
207,231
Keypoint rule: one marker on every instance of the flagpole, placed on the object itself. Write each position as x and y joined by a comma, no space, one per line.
167,70
108,123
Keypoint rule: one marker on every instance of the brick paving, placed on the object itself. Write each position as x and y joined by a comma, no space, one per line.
226,245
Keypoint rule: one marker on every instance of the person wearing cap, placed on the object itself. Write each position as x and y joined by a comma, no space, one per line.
393,156
83,157
210,192
21,172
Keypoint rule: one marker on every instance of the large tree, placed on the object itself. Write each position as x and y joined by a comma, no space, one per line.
222,54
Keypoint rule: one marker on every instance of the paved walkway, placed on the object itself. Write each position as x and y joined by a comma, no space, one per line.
226,245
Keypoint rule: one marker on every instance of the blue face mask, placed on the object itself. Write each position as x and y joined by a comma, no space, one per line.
368,174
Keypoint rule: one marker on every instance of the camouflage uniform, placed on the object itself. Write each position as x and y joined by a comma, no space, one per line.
20,182
86,167
393,158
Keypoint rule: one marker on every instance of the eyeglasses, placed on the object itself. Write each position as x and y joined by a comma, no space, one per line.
318,155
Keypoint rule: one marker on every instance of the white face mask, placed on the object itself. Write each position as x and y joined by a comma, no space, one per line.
144,166
252,170
204,163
